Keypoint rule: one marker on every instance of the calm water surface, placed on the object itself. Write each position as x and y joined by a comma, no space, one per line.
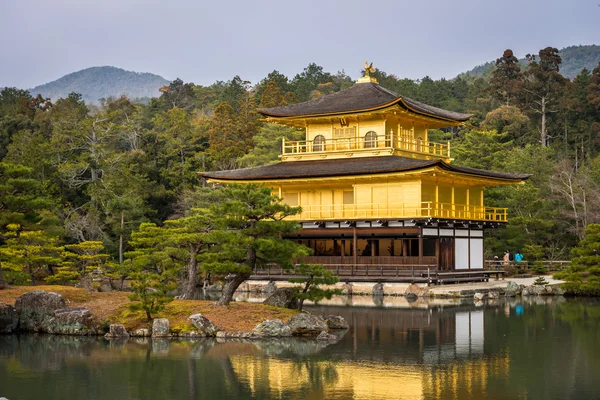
533,349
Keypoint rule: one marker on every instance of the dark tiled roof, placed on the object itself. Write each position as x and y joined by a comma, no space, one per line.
346,167
359,97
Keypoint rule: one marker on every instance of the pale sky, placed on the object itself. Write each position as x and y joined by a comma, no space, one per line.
204,41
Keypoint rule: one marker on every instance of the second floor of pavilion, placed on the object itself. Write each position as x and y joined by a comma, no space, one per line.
374,188
365,120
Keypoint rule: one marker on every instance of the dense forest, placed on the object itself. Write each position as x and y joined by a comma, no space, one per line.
72,173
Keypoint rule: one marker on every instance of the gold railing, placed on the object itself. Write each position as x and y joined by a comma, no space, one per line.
389,141
427,209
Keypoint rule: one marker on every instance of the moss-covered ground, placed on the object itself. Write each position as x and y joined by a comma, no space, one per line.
113,307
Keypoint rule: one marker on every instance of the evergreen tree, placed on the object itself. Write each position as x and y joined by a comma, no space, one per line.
507,79
544,87
312,276
250,223
583,276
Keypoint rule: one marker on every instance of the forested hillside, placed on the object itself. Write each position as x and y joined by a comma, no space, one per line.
71,175
574,59
101,83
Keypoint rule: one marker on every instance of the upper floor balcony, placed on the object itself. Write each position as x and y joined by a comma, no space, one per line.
369,145
426,209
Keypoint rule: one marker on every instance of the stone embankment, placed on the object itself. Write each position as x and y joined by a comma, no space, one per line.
283,296
47,312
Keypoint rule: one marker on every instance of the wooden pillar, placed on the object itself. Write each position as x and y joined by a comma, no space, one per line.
452,201
437,201
437,251
468,209
421,247
343,251
355,243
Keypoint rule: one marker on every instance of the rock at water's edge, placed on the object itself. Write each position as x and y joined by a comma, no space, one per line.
479,296
9,318
71,321
307,325
204,325
336,322
142,332
283,297
36,308
117,331
161,327
378,290
272,328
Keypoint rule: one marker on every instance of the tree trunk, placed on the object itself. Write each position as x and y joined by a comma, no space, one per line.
192,271
2,281
306,286
121,239
544,138
31,275
233,282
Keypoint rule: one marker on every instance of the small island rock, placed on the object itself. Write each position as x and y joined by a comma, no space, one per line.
336,322
272,328
307,325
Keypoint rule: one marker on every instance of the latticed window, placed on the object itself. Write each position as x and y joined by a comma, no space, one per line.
319,143
370,140
347,132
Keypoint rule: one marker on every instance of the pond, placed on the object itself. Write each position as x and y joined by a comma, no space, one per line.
538,348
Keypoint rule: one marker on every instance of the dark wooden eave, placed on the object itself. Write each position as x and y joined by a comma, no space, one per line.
349,167
360,97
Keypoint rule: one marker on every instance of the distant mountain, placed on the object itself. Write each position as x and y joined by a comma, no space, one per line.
103,82
574,59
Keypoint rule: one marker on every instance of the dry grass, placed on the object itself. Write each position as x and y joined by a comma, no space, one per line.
113,307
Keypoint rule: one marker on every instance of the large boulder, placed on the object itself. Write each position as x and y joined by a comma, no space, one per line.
8,318
271,328
36,309
161,327
378,290
478,296
270,288
117,331
204,325
336,322
71,321
307,325
283,297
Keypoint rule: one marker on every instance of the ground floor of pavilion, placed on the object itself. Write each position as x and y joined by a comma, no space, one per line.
394,245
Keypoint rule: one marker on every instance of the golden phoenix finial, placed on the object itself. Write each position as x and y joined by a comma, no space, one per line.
369,68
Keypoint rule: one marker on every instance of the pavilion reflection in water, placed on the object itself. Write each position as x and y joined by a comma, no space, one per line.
418,353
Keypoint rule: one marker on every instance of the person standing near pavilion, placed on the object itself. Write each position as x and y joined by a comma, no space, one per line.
518,256
506,258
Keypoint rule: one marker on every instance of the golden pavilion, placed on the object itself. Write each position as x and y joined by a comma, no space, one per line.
373,189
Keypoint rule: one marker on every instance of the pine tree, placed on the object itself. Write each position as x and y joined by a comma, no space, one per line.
313,276
507,79
250,223
30,252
